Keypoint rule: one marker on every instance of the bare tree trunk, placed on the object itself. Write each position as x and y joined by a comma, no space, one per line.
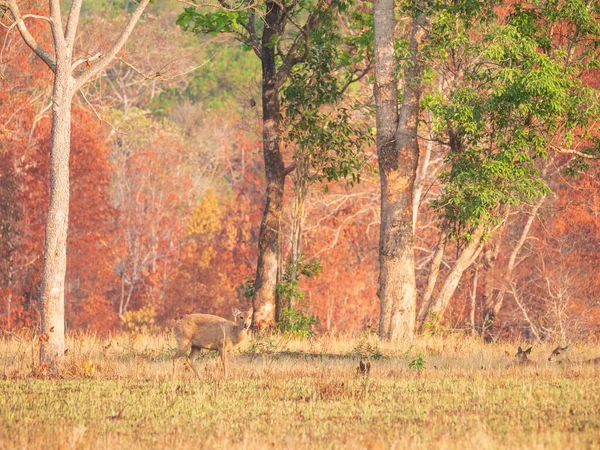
494,303
270,227
490,255
301,187
57,223
398,160
300,194
434,271
532,327
474,300
467,257
65,85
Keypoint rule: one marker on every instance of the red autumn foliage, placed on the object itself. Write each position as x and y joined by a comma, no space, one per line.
132,243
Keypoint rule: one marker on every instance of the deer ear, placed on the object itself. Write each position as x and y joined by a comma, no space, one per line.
567,348
520,349
251,311
528,350
236,312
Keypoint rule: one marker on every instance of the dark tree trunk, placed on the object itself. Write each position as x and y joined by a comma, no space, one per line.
270,228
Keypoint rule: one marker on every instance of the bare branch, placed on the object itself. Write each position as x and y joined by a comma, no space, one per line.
99,66
289,169
96,112
572,151
158,74
60,46
294,56
11,5
72,23
35,16
87,61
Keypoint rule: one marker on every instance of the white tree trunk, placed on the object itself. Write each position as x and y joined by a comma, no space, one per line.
55,246
65,85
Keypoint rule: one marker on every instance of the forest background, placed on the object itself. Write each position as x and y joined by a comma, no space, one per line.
168,190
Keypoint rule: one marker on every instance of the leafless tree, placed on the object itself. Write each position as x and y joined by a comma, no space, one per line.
69,74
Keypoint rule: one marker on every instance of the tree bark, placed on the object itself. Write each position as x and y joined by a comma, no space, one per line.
473,301
398,153
55,245
270,227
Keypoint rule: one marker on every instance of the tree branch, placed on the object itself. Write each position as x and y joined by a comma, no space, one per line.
292,58
72,23
104,61
11,5
571,151
289,169
358,75
87,61
60,46
250,27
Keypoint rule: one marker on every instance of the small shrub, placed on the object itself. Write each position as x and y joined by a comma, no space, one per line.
141,321
297,323
432,325
417,363
367,347
263,344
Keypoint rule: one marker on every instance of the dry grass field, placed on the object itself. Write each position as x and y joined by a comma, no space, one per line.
120,392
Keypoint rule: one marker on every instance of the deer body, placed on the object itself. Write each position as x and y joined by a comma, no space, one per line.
198,331
561,354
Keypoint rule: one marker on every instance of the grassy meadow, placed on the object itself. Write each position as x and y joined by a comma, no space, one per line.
452,392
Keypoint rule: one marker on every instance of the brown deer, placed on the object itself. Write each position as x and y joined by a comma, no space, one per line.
198,331
561,354
521,358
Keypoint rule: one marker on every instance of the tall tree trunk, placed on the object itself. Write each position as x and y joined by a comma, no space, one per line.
494,303
474,300
467,257
398,160
434,271
490,256
55,246
270,227
301,187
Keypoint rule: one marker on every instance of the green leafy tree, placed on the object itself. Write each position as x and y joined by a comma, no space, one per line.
513,94
299,47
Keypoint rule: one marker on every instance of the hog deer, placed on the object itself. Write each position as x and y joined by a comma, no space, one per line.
561,354
522,358
198,331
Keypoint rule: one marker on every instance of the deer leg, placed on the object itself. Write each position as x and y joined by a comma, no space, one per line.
192,360
180,352
223,352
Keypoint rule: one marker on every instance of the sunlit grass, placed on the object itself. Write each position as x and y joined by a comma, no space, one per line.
120,392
